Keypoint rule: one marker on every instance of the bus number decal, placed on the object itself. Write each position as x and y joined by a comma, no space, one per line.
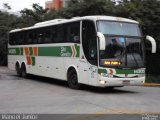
12,51
139,71
15,51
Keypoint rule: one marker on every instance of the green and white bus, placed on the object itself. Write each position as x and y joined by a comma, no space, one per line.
99,51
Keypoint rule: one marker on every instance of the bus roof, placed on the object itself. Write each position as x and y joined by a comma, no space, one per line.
61,21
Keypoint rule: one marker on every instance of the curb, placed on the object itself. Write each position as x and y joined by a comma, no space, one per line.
151,85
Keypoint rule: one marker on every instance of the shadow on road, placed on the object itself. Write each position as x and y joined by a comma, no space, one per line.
107,90
48,80
88,88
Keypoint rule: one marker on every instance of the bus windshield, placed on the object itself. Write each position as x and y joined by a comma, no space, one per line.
119,28
124,45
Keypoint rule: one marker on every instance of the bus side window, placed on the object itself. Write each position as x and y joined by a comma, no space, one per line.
26,37
73,32
40,37
47,36
54,34
89,41
60,34
12,39
34,38
20,38
30,38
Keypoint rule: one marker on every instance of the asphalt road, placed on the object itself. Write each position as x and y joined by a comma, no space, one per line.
50,96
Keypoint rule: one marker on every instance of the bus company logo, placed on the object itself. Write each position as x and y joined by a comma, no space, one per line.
12,51
140,71
64,52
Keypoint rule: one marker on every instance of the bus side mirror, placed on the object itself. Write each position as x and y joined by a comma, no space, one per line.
153,43
102,41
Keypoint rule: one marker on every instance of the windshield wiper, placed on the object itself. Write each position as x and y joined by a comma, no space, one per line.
135,60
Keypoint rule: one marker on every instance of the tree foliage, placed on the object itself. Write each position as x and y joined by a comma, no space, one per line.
33,15
7,22
147,12
87,7
7,6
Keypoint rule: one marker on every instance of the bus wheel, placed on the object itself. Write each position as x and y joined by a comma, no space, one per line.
73,79
18,70
23,70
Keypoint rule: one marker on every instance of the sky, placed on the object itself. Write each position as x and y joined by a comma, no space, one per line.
18,5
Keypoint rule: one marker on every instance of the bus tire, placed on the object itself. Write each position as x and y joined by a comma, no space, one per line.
18,69
23,70
72,79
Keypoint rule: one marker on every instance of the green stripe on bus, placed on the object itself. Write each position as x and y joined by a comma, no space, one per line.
30,51
33,60
102,71
78,50
21,49
49,51
121,71
132,71
57,51
63,51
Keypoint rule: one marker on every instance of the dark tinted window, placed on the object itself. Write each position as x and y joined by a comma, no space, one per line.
69,32
44,35
31,37
16,38
60,34
12,39
89,41
47,36
54,33
11,42
73,32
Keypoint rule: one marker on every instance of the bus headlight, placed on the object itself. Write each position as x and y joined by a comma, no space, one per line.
102,82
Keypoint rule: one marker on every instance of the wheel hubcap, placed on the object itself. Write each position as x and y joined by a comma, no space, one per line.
74,79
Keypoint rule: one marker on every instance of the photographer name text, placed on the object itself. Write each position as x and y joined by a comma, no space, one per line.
19,117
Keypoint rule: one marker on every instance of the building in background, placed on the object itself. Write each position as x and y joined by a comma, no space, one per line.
56,4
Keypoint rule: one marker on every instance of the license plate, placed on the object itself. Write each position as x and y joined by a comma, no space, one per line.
126,82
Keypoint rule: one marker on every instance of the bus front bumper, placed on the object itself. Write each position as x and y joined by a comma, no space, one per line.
104,81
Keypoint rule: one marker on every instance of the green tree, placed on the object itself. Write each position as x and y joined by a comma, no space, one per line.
7,6
7,22
87,7
37,14
147,12
31,16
